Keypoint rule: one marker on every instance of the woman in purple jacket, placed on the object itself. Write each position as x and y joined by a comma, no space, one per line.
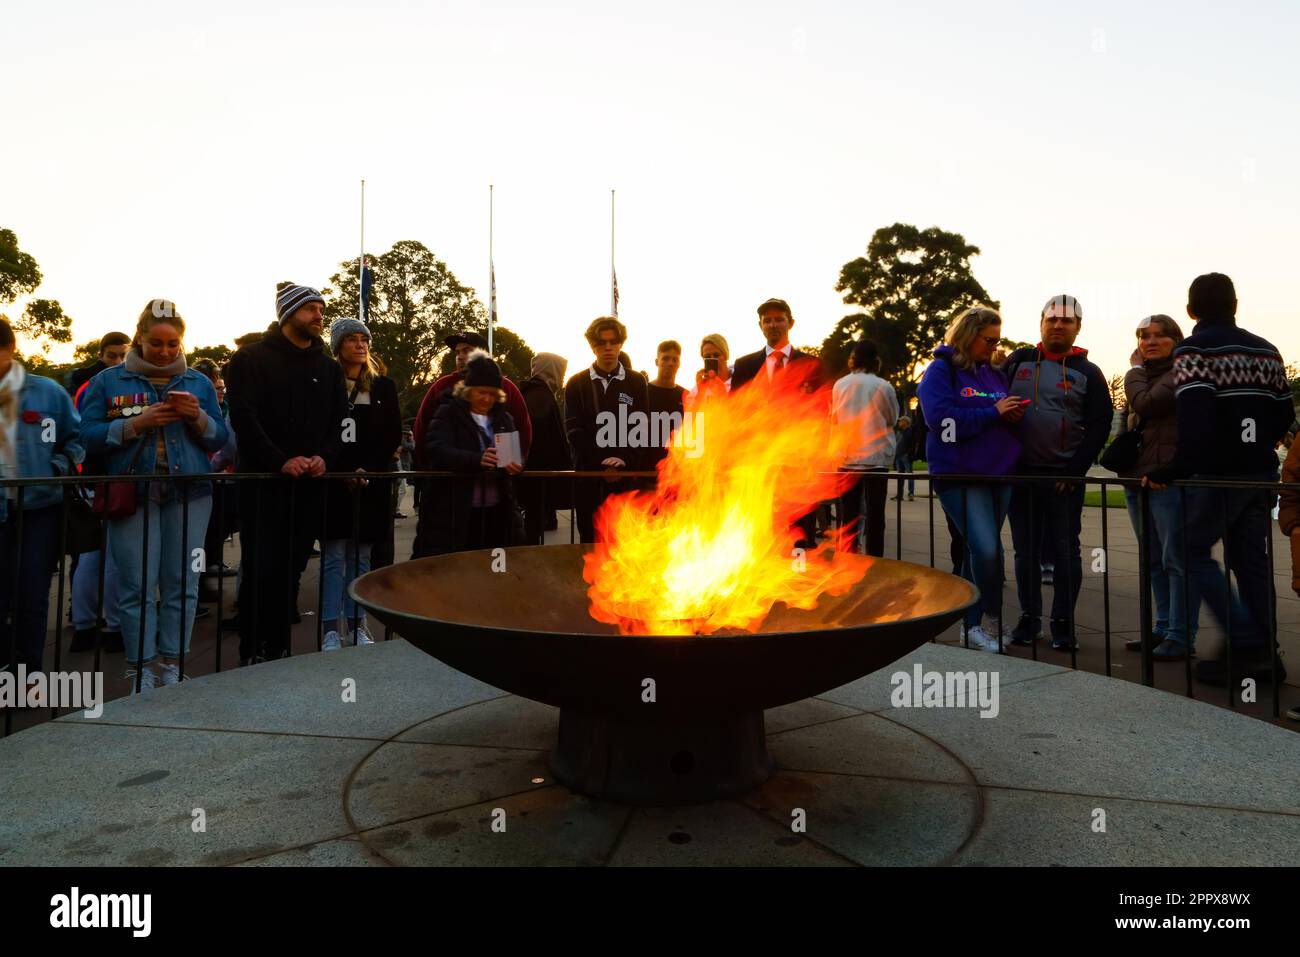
965,403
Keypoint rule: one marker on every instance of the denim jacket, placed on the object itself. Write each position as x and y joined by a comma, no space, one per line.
187,453
49,440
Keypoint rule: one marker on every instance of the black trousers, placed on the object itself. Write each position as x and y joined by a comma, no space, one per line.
864,512
278,524
588,495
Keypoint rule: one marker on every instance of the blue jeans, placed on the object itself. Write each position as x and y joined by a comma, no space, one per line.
85,591
903,463
1242,520
340,566
978,511
1165,560
1038,509
31,606
163,628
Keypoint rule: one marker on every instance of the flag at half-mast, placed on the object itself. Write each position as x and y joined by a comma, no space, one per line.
613,291
492,295
367,281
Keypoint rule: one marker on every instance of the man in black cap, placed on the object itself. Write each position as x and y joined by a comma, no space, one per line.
775,321
462,344
287,406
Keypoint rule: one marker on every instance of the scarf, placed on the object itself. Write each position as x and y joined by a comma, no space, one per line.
11,387
136,362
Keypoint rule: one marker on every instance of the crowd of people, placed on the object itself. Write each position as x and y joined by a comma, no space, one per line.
1007,438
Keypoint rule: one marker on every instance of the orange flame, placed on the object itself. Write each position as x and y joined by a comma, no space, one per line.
713,547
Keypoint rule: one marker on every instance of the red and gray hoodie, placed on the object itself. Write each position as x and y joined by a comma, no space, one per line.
1069,414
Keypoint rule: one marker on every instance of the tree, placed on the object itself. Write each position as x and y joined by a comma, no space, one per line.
895,360
86,353
44,319
220,354
415,303
250,337
911,284
1117,395
19,274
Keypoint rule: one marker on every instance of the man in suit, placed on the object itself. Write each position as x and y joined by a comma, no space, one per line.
775,320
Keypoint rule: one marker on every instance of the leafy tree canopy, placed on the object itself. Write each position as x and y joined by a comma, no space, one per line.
910,285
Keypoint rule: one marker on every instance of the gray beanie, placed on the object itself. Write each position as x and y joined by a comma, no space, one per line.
292,298
340,329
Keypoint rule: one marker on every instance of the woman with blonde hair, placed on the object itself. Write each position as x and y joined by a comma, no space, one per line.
372,433
153,415
970,416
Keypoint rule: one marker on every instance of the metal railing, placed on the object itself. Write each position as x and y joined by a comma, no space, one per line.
222,484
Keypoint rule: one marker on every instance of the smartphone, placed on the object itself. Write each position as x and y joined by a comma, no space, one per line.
712,365
175,394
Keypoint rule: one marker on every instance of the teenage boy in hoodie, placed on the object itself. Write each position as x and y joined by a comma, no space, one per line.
287,405
1067,420
1234,406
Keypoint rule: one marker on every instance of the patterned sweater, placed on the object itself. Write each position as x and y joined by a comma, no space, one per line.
1234,403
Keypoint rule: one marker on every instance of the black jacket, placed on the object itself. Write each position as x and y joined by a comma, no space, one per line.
79,377
550,448
378,434
455,443
584,399
284,402
748,367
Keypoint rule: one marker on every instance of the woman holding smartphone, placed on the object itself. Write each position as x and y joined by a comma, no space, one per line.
152,415
972,420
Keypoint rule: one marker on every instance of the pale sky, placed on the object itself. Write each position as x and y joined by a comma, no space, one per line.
201,154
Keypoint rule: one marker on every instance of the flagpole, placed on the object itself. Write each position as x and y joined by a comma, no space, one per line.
613,280
361,260
492,272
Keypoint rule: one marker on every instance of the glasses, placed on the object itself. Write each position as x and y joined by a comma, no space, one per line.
991,340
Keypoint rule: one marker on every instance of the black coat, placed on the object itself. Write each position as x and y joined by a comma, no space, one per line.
584,399
378,434
455,443
285,402
550,449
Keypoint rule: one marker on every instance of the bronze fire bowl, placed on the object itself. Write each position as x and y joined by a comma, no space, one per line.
527,630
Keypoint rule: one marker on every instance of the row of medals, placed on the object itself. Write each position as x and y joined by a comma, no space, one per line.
126,410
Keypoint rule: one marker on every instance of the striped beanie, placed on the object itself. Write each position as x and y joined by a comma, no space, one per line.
291,298
1064,306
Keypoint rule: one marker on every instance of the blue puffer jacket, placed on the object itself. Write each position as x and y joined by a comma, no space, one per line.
187,451
49,440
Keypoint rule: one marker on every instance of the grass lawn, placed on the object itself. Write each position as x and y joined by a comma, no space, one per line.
1114,498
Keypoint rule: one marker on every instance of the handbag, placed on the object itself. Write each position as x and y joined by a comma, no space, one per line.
117,499
1124,451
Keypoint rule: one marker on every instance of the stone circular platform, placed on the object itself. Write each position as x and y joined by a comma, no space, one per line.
384,755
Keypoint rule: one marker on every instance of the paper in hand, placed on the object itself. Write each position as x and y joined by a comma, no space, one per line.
508,449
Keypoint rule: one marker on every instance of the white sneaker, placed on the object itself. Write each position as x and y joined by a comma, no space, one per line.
331,641
171,674
991,626
978,639
148,680
361,636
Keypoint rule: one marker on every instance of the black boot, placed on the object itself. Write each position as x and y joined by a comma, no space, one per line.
83,639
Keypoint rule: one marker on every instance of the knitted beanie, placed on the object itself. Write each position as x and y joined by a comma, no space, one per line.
340,329
291,298
481,370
